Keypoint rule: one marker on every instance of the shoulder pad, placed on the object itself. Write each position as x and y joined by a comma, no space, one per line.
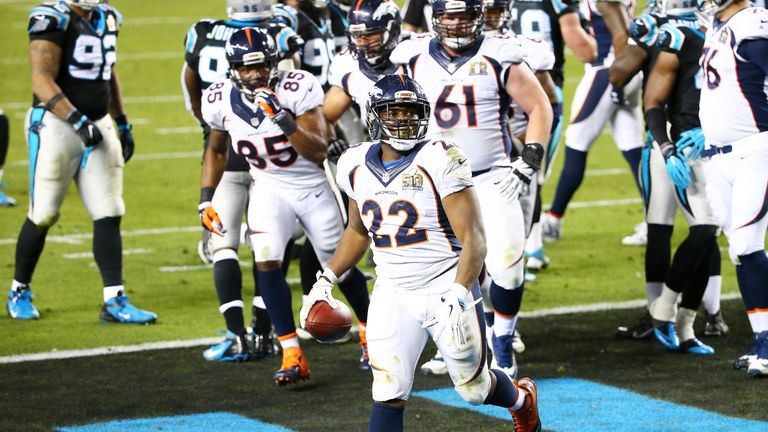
644,29
47,18
751,23
537,53
111,9
671,38
504,48
406,49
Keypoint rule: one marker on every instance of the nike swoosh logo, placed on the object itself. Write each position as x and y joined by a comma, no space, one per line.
317,195
124,315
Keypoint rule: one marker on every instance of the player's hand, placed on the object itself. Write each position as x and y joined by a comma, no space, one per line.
336,148
85,128
267,100
691,144
321,291
452,315
678,170
210,219
618,98
517,178
126,136
288,41
644,30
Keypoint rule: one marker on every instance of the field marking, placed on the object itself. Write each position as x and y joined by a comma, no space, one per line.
89,255
139,56
213,421
138,157
131,22
605,203
606,172
78,238
153,346
178,130
9,106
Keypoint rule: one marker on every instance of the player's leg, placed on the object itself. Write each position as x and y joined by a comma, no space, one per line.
100,182
395,342
5,200
54,156
270,222
536,260
714,323
230,203
627,127
590,111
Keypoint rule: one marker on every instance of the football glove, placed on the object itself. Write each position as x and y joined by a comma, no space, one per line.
321,291
288,41
85,128
618,98
210,219
452,315
691,144
126,137
517,178
678,170
267,100
336,148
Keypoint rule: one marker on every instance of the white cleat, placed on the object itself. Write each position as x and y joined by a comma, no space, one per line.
435,366
638,238
551,227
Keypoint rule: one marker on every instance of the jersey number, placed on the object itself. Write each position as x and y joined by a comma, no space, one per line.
318,54
447,114
406,234
533,23
713,76
280,157
212,65
94,57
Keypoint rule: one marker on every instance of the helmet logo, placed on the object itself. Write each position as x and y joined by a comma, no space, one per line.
357,28
253,57
405,96
455,4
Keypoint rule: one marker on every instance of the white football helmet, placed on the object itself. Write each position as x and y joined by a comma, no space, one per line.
677,7
249,10
86,4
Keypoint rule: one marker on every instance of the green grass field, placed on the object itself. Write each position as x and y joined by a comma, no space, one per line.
160,232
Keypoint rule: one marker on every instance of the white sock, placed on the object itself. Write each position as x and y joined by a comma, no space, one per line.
290,342
503,325
520,399
258,301
664,307
16,285
653,291
712,294
534,241
684,321
1,174
113,291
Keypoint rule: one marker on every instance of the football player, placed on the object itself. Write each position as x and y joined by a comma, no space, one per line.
672,93
595,105
206,63
5,200
274,119
412,202
734,117
71,136
470,80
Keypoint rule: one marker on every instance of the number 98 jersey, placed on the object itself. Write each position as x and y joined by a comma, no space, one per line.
88,51
401,206
257,138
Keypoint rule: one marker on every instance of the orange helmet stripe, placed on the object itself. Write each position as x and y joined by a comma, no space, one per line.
248,35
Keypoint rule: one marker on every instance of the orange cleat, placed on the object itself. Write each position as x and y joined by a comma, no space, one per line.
365,363
294,368
527,417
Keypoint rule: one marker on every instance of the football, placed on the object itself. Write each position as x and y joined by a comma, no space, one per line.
327,324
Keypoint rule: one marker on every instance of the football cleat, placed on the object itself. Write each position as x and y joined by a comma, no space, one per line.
536,261
714,325
758,367
551,227
20,305
527,417
638,238
642,330
365,364
695,346
204,248
666,334
751,354
504,355
294,367
233,348
6,201
119,310
262,344
517,342
435,366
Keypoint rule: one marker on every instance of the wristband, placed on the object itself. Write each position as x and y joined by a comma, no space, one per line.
532,154
206,193
53,101
285,122
76,118
656,120
328,275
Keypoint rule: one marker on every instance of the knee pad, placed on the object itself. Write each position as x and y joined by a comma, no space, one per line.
45,220
476,390
511,277
225,254
388,382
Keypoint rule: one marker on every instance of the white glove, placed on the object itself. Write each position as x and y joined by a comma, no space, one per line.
452,315
517,178
321,291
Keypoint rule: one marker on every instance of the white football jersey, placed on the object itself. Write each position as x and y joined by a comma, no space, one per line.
470,106
603,36
733,101
257,138
412,240
355,79
539,57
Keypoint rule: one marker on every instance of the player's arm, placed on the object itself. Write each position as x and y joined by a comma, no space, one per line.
194,90
116,96
214,160
576,38
353,244
310,136
617,21
548,85
463,211
335,103
525,89
627,65
657,91
45,60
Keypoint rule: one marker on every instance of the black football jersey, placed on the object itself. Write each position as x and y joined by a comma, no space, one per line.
684,38
319,46
88,52
339,25
540,20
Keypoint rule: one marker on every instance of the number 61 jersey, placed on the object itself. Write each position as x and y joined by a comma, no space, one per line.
412,240
257,138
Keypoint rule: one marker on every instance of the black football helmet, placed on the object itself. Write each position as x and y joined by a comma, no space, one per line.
370,17
397,91
252,47
458,36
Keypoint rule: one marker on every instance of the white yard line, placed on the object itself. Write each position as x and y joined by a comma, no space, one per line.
139,56
8,106
89,255
153,346
138,157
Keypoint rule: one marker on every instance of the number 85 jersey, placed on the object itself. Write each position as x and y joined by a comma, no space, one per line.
401,206
256,137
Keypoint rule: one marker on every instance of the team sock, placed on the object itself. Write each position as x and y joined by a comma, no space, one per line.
28,249
653,291
506,304
506,394
277,297
684,322
714,284
570,180
113,291
752,274
664,308
633,159
309,265
108,250
386,418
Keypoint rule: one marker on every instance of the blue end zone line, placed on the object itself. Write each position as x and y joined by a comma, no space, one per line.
210,422
570,405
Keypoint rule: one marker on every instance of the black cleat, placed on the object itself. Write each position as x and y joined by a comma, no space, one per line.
642,330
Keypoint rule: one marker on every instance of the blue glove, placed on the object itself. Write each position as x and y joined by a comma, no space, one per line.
288,41
691,144
678,170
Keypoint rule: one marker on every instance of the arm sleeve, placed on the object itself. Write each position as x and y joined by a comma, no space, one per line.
755,51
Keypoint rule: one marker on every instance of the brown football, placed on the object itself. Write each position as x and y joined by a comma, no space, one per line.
327,324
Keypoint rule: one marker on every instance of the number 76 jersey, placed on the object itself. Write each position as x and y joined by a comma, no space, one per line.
401,206
257,138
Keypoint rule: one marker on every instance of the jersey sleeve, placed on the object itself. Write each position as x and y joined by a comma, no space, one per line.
407,49
191,49
339,69
752,24
212,106
299,91
643,30
671,38
537,54
563,7
454,171
48,23
346,170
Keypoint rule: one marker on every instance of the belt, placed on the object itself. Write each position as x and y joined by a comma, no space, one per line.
715,150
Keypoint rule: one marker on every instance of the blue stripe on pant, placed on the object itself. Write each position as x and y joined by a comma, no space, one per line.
33,140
